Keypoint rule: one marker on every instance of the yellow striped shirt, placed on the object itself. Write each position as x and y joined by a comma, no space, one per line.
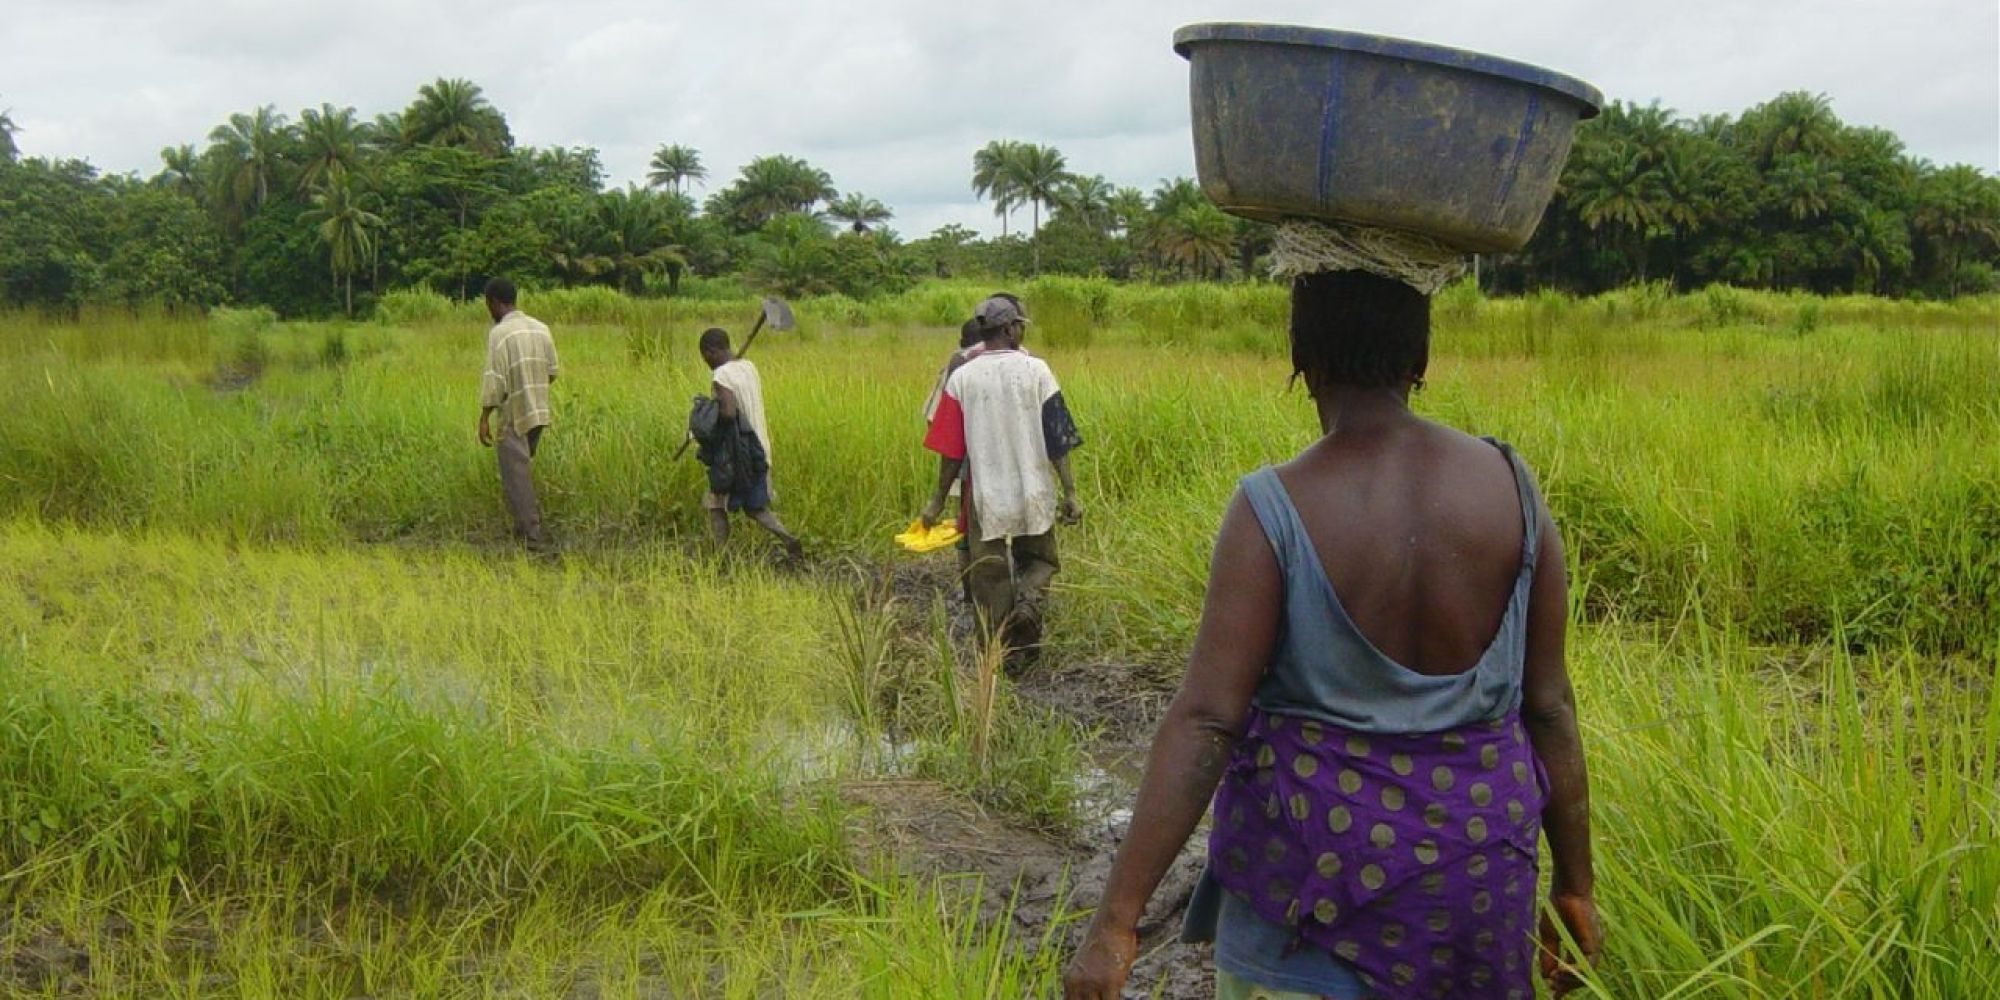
520,364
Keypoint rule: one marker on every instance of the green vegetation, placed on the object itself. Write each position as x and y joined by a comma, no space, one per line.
1783,196
1776,461
281,713
325,772
294,215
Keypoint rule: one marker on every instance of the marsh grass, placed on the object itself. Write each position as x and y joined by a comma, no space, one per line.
1786,479
897,938
281,714
281,772
1774,828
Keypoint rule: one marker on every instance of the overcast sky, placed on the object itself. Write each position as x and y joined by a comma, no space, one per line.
892,96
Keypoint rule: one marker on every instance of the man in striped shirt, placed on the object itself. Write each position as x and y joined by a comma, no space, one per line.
520,365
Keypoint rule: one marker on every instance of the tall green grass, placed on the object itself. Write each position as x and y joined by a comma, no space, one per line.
435,721
282,714
156,938
1785,480
1769,825
283,772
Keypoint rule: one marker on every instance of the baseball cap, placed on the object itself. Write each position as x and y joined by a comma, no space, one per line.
998,311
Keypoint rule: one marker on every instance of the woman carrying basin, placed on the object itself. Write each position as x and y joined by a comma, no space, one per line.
1377,699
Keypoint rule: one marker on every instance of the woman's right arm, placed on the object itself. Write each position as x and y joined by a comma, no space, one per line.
1548,707
1239,628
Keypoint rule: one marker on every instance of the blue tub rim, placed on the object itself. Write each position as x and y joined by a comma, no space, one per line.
1395,48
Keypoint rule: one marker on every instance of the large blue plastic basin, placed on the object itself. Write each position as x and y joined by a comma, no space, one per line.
1292,121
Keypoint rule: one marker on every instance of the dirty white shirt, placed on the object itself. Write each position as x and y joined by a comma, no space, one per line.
993,415
740,378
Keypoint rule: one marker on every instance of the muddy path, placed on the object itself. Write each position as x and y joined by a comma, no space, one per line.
1043,885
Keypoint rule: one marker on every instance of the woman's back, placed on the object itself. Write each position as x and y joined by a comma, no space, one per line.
1407,552
1419,529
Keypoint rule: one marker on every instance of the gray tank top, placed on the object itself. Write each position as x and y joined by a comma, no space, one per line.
1325,668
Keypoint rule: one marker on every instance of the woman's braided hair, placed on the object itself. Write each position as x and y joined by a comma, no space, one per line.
1353,328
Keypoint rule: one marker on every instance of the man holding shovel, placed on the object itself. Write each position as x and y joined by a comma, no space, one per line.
735,441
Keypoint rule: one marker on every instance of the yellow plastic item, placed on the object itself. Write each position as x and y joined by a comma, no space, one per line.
942,534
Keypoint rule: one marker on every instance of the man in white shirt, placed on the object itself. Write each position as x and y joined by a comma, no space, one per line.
520,367
738,453
1002,421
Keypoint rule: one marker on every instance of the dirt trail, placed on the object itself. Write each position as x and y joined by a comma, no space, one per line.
1024,876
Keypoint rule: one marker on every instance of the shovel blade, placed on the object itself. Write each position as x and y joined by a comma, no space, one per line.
777,315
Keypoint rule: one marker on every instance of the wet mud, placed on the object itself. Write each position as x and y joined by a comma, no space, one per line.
1045,886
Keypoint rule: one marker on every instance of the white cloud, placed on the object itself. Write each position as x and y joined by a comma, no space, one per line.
893,96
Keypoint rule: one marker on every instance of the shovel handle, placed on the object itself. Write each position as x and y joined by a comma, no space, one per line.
747,341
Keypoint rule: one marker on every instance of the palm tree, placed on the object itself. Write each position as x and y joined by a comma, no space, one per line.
250,148
1613,188
1198,237
859,211
1957,210
771,186
385,133
569,220
346,227
1792,122
1038,176
1876,242
455,112
1874,164
577,167
180,171
1174,195
332,141
1127,206
1713,126
1804,186
794,256
993,177
1131,219
1648,128
1089,199
9,152
1685,202
674,165
1752,262
637,238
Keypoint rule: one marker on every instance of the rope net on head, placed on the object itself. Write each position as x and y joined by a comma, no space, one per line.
1308,246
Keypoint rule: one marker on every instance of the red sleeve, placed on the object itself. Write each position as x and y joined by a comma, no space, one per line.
947,433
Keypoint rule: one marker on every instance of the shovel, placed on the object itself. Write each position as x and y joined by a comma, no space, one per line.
776,313
773,313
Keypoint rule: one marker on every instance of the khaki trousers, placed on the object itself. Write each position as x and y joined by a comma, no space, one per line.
1006,571
517,485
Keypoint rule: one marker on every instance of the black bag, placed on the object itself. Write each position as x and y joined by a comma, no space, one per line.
731,451
704,418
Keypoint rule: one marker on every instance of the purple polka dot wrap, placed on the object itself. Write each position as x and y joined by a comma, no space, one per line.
1410,857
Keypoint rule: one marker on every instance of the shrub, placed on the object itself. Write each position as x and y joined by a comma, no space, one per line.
411,306
583,304
228,320
1724,305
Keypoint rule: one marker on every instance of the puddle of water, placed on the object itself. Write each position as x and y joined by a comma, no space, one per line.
834,749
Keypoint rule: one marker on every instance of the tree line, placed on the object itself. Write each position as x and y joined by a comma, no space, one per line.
320,214
1782,196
